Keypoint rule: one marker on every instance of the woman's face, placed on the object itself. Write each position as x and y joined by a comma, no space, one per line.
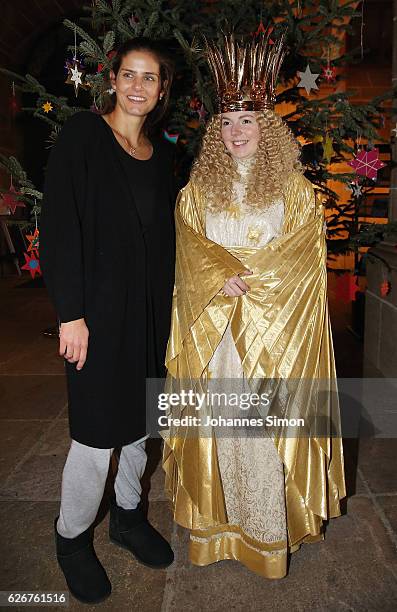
240,133
138,83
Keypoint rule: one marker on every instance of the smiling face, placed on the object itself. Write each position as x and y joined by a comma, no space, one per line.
137,83
240,133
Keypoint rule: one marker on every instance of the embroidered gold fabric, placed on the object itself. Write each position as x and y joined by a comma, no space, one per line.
279,331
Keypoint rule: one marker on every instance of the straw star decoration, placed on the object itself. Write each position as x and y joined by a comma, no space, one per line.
47,107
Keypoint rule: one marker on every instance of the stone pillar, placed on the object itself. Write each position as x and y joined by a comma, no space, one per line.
380,339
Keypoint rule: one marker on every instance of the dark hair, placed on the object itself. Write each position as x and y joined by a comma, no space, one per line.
166,64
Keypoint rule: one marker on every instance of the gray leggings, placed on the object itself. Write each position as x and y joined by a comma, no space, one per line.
83,483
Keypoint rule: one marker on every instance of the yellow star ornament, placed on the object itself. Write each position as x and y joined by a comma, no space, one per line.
47,107
328,149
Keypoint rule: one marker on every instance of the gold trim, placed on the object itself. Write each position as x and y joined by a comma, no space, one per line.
235,529
268,559
223,546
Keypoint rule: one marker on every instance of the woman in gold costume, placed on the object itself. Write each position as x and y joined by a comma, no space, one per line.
250,304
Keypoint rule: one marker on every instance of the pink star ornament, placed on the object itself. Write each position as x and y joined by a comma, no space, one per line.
367,163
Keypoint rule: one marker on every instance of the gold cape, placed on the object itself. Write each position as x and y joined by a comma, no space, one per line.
281,330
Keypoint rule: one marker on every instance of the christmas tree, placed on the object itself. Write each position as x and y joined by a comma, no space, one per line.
311,96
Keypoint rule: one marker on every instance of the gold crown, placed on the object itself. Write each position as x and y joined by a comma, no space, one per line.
246,74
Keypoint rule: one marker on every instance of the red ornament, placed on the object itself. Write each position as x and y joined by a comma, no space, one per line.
346,288
194,103
34,241
11,201
367,163
110,56
15,107
385,288
266,32
32,264
201,113
328,73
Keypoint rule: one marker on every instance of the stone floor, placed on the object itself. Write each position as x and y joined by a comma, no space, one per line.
355,568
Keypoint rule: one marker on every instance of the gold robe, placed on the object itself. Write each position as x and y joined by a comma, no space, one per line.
282,333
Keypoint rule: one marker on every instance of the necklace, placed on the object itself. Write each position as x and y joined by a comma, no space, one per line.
131,150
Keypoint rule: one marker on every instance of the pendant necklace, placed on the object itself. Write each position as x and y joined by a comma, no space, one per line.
131,150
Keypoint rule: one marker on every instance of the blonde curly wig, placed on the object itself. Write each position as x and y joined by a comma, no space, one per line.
276,158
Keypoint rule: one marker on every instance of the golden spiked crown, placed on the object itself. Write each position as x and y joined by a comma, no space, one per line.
246,74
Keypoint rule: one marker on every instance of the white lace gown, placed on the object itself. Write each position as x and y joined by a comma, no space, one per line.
251,470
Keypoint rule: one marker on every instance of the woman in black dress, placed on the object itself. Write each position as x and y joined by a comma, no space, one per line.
107,251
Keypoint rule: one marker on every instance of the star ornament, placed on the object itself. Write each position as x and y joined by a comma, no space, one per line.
34,241
75,75
11,201
328,149
308,79
356,190
201,113
266,32
328,73
367,163
32,264
47,107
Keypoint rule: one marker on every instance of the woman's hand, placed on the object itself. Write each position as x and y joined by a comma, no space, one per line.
235,286
73,342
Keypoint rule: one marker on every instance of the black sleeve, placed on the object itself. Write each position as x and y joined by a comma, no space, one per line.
61,247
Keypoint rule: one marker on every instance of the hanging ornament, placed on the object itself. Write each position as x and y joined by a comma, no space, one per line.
308,79
356,189
194,103
262,30
346,288
170,137
201,113
32,264
34,240
395,131
328,73
74,75
133,21
75,69
47,107
11,201
367,163
385,288
328,149
110,55
14,105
